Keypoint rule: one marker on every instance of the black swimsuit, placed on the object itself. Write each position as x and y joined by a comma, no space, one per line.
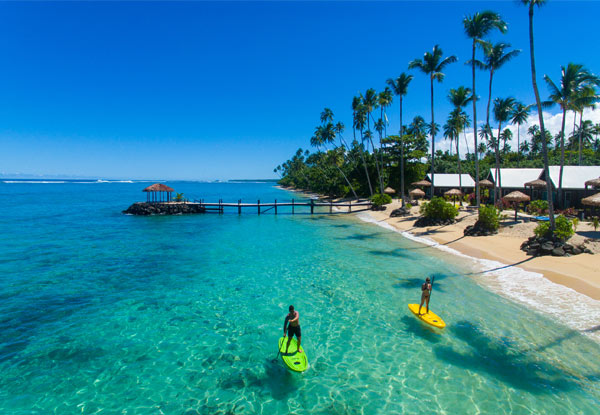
292,330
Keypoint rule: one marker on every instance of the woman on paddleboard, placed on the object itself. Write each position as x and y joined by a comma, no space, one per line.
425,293
292,327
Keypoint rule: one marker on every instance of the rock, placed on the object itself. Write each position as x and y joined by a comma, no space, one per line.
399,212
146,209
576,251
558,251
587,251
547,247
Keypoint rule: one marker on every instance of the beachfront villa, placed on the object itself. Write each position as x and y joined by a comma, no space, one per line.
513,179
444,182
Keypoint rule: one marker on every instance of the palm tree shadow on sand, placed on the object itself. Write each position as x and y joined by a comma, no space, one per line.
498,357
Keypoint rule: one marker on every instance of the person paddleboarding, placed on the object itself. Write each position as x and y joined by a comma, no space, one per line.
425,294
291,326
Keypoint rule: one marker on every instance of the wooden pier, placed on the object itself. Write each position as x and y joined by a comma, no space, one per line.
261,207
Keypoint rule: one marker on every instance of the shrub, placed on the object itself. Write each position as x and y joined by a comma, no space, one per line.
564,228
539,207
438,208
380,200
595,223
408,206
489,218
178,197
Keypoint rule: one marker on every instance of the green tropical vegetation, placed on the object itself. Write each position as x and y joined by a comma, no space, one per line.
360,167
439,209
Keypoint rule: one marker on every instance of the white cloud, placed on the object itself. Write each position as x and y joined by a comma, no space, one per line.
552,122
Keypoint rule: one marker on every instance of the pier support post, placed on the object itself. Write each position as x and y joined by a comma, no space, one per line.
276,206
350,207
292,206
312,206
330,206
239,206
220,206
258,206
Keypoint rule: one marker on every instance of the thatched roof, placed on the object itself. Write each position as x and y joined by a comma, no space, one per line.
485,183
416,193
593,183
453,192
536,183
389,191
516,196
421,183
593,200
158,187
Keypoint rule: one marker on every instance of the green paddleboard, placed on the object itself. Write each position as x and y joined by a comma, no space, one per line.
298,362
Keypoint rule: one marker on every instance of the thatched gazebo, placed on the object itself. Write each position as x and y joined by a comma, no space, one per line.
486,183
421,183
454,193
158,192
591,200
416,193
516,197
535,184
389,191
594,183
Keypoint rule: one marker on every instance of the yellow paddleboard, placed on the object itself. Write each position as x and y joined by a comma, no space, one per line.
429,318
297,362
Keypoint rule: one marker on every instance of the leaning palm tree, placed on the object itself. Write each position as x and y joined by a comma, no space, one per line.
400,87
433,64
494,58
502,110
530,6
519,116
573,78
476,28
358,122
370,102
326,115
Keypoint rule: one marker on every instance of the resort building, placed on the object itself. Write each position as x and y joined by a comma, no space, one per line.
446,181
573,183
512,179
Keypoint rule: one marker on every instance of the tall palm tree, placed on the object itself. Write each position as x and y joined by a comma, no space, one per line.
370,102
585,97
358,122
573,78
400,88
530,6
494,58
384,100
433,64
460,98
519,116
454,125
502,110
476,28
506,136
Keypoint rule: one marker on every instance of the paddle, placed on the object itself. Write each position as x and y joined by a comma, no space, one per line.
279,349
431,291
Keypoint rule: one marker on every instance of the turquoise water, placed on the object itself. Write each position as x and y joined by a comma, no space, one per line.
106,313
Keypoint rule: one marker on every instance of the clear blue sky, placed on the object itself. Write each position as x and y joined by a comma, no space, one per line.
201,90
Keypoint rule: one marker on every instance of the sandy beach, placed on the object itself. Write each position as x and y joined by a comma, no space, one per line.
580,272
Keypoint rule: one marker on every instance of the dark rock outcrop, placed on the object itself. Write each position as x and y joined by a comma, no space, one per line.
146,209
424,221
540,246
478,229
399,212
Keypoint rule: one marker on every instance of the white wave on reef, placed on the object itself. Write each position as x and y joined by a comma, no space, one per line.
531,289
33,181
65,181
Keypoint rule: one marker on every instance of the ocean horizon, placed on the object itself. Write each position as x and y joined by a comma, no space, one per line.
104,312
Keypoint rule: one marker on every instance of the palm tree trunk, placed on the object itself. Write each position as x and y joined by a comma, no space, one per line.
562,157
432,144
498,186
541,119
466,141
580,138
362,156
401,156
487,117
518,143
459,171
381,153
377,166
476,149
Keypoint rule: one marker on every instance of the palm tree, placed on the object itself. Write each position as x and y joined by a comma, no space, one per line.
524,147
433,64
326,115
358,122
585,134
460,98
585,97
476,28
452,130
519,116
502,110
573,78
596,130
530,5
384,100
495,58
506,136
400,88
370,102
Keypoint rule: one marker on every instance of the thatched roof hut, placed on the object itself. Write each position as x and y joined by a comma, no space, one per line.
416,193
485,183
593,200
155,193
595,183
537,183
453,192
516,197
421,183
389,191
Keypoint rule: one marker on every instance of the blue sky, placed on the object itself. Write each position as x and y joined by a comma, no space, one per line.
203,90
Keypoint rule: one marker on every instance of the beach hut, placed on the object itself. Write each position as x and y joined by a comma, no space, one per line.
444,182
416,194
389,191
592,200
537,184
454,193
158,192
485,183
516,197
594,183
421,183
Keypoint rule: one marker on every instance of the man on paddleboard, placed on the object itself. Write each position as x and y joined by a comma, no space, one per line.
425,293
293,328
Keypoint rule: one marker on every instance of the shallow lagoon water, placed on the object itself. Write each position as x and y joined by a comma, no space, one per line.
107,313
